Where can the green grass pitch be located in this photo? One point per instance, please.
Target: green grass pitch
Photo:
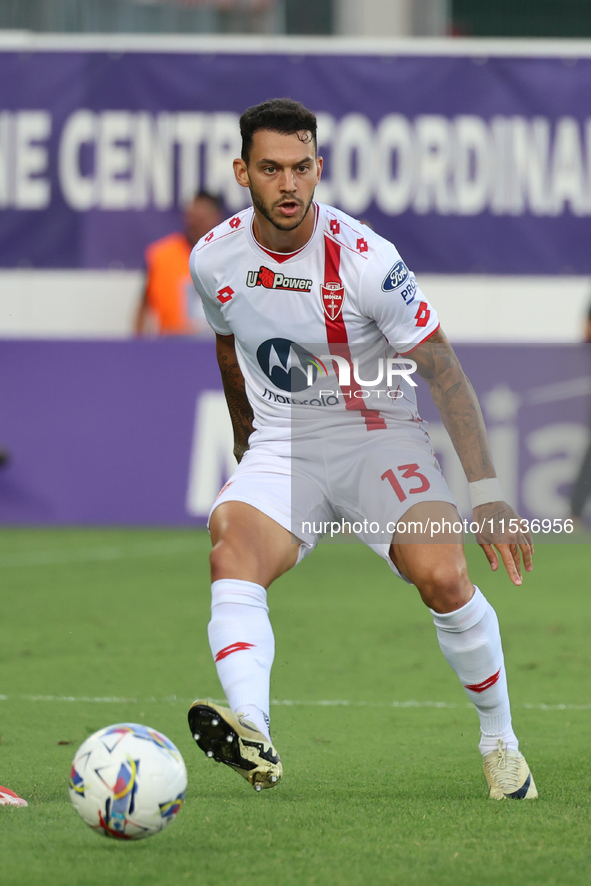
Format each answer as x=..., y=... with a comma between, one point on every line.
x=383, y=781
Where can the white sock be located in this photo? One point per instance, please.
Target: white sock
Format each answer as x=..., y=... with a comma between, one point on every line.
x=490, y=743
x=243, y=646
x=256, y=716
x=471, y=643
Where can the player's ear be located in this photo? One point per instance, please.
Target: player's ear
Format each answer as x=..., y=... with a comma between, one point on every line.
x=241, y=172
x=319, y=167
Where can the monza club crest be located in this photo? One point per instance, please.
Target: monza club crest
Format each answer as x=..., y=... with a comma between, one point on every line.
x=333, y=296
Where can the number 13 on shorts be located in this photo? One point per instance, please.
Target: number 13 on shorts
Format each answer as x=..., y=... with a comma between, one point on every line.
x=406, y=472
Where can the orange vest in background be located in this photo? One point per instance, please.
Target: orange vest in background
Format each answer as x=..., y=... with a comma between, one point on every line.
x=169, y=288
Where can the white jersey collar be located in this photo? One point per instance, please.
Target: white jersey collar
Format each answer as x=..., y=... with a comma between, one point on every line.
x=287, y=256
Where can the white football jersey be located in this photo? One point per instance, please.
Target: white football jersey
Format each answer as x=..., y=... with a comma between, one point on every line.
x=345, y=301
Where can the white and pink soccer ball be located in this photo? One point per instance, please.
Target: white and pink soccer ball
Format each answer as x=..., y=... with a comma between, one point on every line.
x=128, y=781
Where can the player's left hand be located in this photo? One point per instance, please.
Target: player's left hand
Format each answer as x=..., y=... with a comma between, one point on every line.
x=500, y=527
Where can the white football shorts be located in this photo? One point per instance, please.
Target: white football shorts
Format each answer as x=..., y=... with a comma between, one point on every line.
x=341, y=483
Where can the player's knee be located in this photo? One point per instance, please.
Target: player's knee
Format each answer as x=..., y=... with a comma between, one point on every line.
x=224, y=559
x=445, y=587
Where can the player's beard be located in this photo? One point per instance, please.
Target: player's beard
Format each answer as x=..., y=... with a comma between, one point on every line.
x=289, y=224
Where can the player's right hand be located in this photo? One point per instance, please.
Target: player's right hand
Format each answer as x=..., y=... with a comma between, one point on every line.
x=496, y=520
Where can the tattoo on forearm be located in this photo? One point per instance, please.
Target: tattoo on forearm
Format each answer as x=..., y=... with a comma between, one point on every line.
x=457, y=404
x=240, y=409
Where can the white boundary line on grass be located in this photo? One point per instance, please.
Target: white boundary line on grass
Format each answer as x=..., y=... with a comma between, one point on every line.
x=171, y=699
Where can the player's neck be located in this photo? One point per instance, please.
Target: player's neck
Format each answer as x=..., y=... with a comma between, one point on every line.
x=271, y=238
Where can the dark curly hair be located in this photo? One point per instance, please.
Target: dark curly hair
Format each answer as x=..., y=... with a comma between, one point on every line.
x=277, y=115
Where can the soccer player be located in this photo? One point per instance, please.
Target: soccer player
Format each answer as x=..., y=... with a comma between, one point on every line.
x=274, y=278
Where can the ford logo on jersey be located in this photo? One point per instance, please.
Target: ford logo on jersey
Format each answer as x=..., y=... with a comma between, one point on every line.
x=395, y=277
x=286, y=363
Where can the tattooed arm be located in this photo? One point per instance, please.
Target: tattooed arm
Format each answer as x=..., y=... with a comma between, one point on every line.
x=458, y=407
x=460, y=412
x=238, y=405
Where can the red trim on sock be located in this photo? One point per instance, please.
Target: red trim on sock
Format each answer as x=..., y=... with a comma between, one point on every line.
x=486, y=684
x=233, y=647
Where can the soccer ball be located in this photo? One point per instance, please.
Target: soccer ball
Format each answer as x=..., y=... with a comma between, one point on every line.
x=127, y=781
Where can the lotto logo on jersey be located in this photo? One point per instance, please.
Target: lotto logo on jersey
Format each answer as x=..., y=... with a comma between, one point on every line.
x=395, y=277
x=268, y=279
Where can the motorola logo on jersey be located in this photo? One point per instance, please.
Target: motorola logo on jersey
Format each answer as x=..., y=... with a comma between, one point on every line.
x=286, y=363
x=268, y=279
x=395, y=277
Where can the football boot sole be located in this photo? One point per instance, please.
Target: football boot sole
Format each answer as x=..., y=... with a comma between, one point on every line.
x=228, y=738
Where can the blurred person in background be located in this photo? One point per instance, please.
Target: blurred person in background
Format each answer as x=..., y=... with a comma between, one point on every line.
x=581, y=491
x=170, y=305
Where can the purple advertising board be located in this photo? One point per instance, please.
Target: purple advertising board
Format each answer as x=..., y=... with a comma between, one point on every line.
x=468, y=162
x=137, y=433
